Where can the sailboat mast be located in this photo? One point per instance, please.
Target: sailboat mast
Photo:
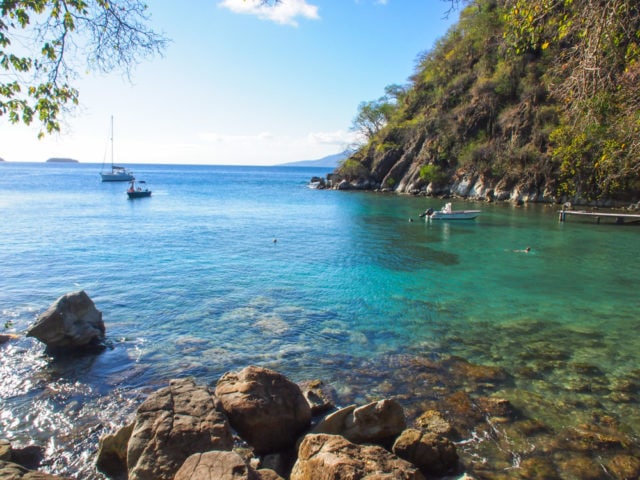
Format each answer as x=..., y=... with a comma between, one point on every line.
x=111, y=142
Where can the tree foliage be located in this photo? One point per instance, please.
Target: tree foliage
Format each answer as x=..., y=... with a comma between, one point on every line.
x=374, y=115
x=544, y=93
x=594, y=76
x=42, y=42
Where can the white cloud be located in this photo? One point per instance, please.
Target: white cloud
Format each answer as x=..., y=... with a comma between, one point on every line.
x=339, y=138
x=285, y=12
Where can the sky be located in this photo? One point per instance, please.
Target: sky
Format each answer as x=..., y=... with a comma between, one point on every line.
x=243, y=85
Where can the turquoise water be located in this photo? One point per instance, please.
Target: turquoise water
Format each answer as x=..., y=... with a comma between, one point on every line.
x=191, y=282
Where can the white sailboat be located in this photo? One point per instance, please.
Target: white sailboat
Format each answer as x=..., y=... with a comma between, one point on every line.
x=117, y=173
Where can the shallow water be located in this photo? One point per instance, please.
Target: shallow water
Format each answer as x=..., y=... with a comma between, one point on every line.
x=191, y=282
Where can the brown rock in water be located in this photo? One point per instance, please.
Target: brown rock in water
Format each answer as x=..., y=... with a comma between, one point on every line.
x=112, y=452
x=221, y=465
x=172, y=424
x=583, y=468
x=431, y=453
x=496, y=407
x=432, y=421
x=624, y=466
x=5, y=450
x=266, y=474
x=72, y=321
x=5, y=337
x=13, y=471
x=538, y=468
x=376, y=422
x=332, y=457
x=320, y=397
x=266, y=409
x=465, y=370
x=215, y=465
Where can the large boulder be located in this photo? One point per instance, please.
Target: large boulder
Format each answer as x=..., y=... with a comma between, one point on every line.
x=433, y=454
x=264, y=407
x=72, y=321
x=377, y=422
x=172, y=424
x=332, y=457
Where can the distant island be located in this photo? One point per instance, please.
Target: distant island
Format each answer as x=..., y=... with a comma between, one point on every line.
x=62, y=160
x=331, y=161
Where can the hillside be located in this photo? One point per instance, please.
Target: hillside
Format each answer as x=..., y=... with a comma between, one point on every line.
x=330, y=161
x=519, y=101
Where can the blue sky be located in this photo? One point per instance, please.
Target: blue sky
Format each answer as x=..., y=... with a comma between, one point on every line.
x=241, y=85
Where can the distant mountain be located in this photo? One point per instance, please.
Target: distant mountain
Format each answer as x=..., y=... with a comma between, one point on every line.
x=330, y=161
x=62, y=160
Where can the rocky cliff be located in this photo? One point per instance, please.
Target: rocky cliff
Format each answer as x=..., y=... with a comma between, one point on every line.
x=507, y=107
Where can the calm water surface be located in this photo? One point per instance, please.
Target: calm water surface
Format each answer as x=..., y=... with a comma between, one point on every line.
x=191, y=282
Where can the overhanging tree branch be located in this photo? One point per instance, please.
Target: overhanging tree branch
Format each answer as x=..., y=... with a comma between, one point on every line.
x=41, y=42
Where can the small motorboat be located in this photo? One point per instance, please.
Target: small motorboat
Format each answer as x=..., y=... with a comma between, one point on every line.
x=138, y=189
x=446, y=213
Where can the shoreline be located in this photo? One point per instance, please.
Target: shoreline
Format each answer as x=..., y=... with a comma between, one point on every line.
x=447, y=383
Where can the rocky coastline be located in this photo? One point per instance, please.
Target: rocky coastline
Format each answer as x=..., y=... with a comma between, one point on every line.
x=257, y=424
x=468, y=186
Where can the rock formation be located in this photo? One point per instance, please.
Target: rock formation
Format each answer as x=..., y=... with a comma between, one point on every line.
x=172, y=424
x=182, y=432
x=72, y=321
x=332, y=457
x=377, y=422
x=268, y=410
x=434, y=455
x=221, y=465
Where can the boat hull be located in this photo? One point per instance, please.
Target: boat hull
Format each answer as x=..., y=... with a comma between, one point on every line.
x=116, y=177
x=455, y=215
x=139, y=194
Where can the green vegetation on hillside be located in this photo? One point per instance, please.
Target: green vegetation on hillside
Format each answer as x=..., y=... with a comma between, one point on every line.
x=541, y=95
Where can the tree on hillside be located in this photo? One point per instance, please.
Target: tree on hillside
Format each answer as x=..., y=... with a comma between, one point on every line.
x=374, y=115
x=42, y=42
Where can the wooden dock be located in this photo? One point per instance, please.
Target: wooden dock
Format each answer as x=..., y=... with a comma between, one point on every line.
x=619, y=217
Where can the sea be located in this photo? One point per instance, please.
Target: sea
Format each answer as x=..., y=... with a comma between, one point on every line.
x=229, y=266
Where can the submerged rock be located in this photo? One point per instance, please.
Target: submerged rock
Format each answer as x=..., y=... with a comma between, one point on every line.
x=434, y=455
x=267, y=409
x=72, y=321
x=432, y=421
x=625, y=466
